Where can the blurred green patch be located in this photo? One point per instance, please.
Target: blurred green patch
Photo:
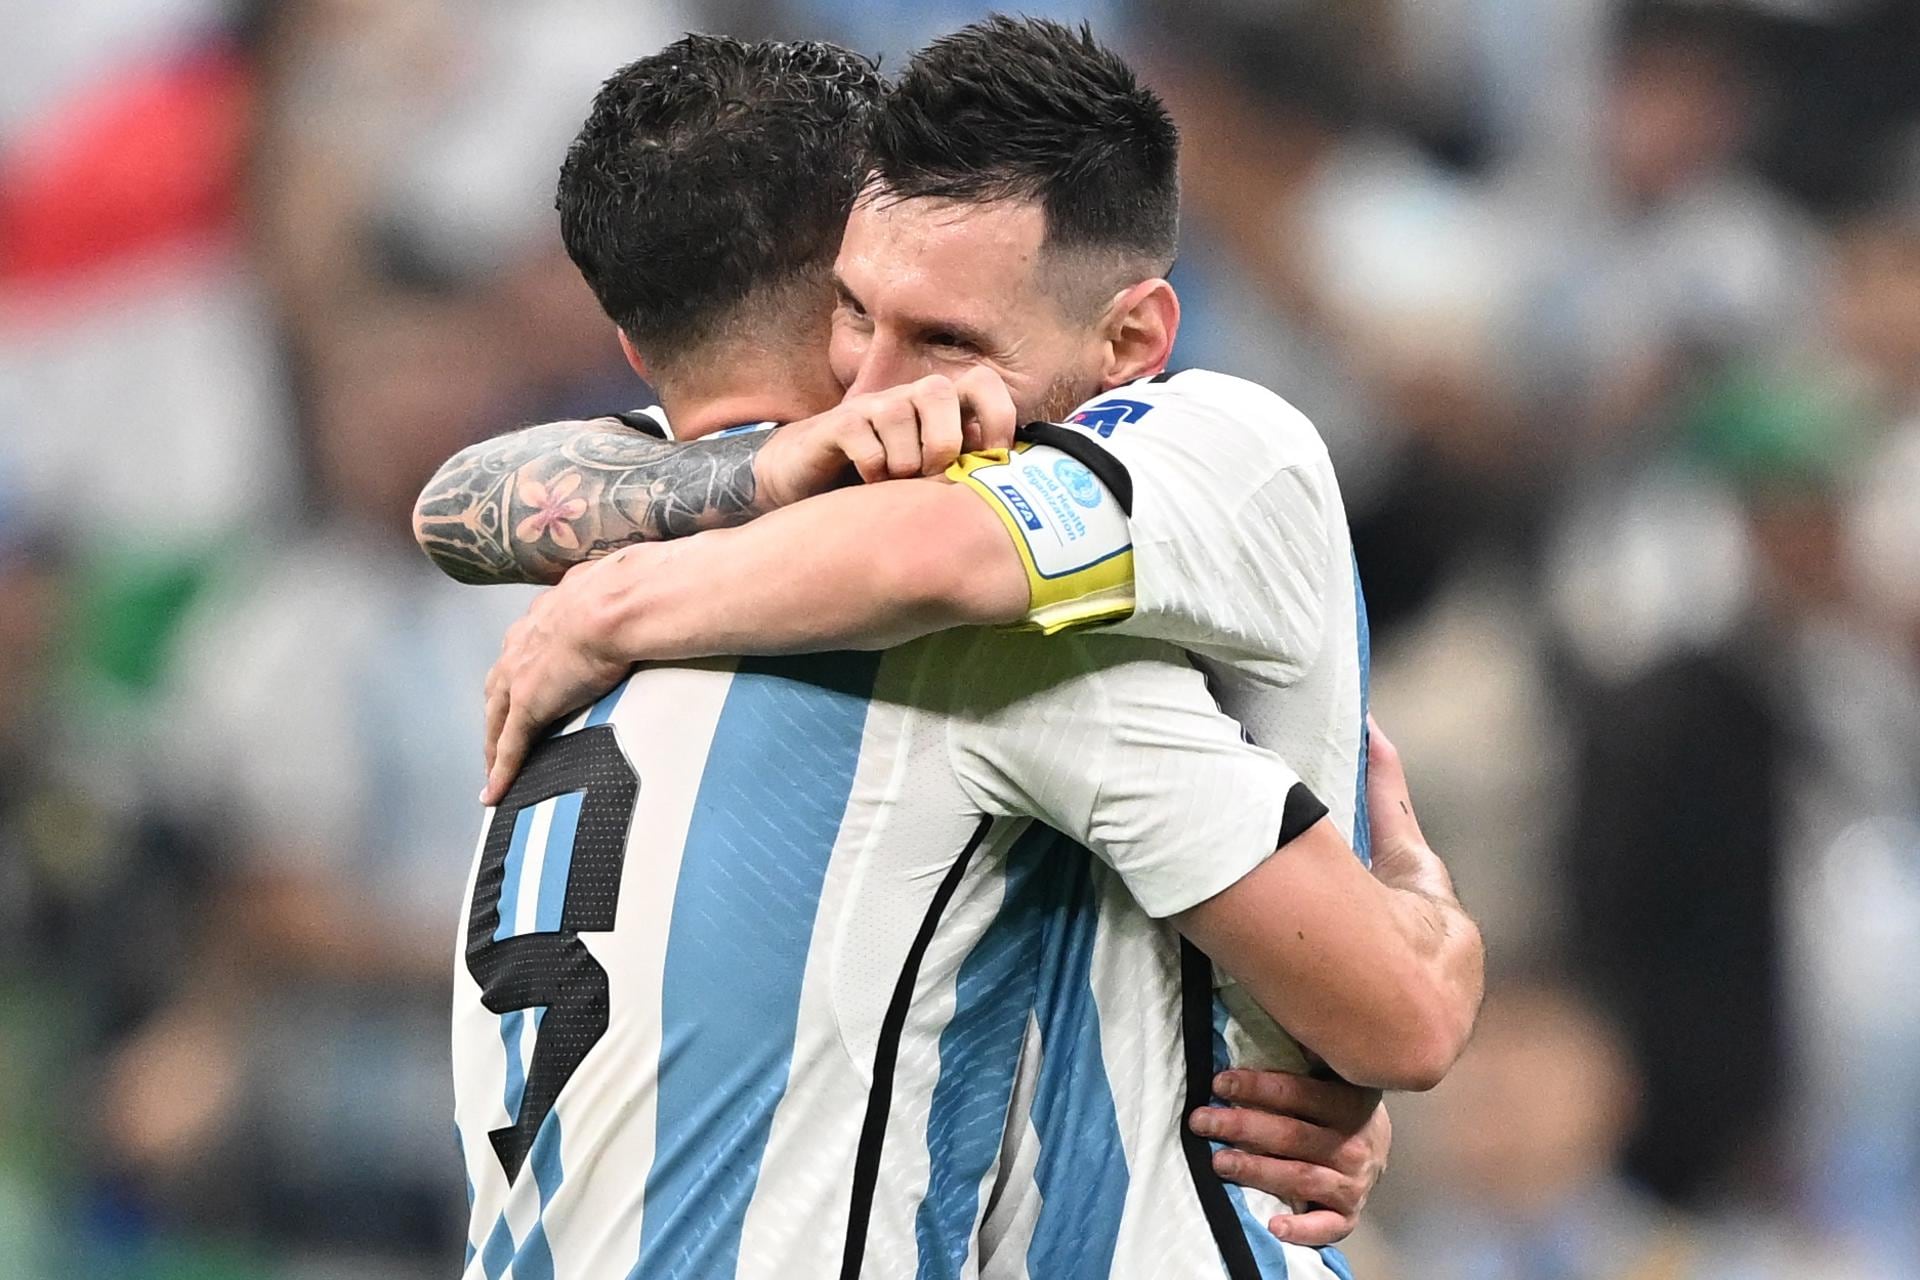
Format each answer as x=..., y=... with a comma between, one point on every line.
x=1772, y=428
x=128, y=614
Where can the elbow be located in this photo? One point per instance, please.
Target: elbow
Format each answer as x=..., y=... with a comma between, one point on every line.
x=1439, y=1004
x=1411, y=1054
x=1414, y=1048
x=442, y=526
x=454, y=527
x=1425, y=1053
x=424, y=519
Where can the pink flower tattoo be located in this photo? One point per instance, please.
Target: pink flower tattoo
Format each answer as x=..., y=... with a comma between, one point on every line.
x=553, y=511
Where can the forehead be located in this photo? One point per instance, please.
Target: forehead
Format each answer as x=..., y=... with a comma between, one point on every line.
x=959, y=250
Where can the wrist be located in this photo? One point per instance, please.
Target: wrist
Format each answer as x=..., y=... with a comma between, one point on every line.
x=779, y=475
x=623, y=623
x=1413, y=867
x=767, y=493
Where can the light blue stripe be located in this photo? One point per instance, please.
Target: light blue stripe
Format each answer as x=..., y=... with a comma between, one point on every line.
x=1082, y=1170
x=497, y=1253
x=471, y=1250
x=511, y=873
x=1267, y=1253
x=533, y=1260
x=979, y=1052
x=1362, y=822
x=558, y=862
x=769, y=808
x=603, y=709
x=1337, y=1262
x=512, y=1027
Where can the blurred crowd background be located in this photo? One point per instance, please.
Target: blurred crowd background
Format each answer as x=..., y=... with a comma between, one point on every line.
x=1609, y=311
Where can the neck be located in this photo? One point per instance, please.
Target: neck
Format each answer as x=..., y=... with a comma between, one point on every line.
x=694, y=416
x=755, y=388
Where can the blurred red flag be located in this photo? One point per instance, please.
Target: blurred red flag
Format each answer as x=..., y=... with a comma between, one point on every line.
x=132, y=164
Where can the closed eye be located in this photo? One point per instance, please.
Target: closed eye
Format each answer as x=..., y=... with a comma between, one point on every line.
x=847, y=302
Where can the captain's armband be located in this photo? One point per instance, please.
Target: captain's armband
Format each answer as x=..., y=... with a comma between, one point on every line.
x=1068, y=520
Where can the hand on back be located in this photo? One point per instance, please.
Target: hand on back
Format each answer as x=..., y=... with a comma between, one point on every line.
x=1319, y=1145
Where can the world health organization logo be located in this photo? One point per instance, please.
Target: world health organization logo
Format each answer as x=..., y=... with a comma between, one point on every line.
x=1078, y=482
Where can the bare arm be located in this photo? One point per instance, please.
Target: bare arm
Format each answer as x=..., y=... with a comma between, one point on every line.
x=1381, y=974
x=527, y=506
x=814, y=576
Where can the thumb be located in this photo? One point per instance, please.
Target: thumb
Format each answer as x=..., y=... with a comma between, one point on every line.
x=1389, y=801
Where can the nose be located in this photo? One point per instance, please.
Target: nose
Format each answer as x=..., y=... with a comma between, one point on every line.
x=883, y=364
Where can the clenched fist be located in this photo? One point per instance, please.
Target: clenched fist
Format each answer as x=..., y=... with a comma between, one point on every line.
x=913, y=430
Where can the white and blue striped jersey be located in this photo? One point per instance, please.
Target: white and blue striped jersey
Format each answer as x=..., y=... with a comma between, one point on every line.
x=1240, y=554
x=754, y=949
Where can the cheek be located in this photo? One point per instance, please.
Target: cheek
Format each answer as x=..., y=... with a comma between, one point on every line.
x=1065, y=377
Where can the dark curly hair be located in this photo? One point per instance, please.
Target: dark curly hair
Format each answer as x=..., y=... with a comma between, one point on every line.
x=714, y=169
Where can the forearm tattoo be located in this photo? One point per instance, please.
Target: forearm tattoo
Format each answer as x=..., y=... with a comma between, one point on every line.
x=528, y=506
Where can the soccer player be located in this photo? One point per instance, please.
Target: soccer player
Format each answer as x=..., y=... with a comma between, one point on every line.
x=529, y=831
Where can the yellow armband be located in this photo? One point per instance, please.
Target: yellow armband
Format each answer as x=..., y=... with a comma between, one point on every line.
x=1072, y=535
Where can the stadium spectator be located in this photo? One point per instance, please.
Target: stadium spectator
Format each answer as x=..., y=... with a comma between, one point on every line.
x=1517, y=1177
x=309, y=173
x=323, y=717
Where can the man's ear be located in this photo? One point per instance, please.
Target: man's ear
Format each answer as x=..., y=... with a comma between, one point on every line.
x=634, y=358
x=1139, y=330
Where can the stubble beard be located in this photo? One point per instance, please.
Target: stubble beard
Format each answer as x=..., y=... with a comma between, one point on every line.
x=1062, y=396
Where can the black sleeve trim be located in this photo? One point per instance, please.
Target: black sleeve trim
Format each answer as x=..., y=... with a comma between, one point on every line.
x=1303, y=809
x=1086, y=451
x=641, y=422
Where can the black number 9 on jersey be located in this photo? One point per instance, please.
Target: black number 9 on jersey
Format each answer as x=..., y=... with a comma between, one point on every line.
x=554, y=970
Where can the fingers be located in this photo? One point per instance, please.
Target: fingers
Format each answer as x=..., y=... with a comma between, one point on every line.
x=500, y=676
x=988, y=406
x=921, y=428
x=499, y=680
x=496, y=717
x=1333, y=1103
x=937, y=405
x=895, y=422
x=516, y=736
x=1311, y=1186
x=1265, y=1134
x=863, y=448
x=1316, y=1229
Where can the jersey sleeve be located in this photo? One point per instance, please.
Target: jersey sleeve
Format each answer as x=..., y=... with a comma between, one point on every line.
x=1232, y=500
x=1068, y=525
x=1117, y=744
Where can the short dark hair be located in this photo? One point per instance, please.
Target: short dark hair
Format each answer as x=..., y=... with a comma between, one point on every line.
x=1026, y=108
x=714, y=169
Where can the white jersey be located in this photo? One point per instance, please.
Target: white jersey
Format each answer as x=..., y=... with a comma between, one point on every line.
x=1235, y=547
x=753, y=948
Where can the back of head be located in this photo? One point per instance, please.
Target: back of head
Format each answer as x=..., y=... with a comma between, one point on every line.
x=712, y=171
x=1028, y=109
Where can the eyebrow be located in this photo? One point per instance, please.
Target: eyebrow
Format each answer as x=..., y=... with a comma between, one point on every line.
x=967, y=333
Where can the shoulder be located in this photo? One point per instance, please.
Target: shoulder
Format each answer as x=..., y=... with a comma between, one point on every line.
x=1212, y=410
